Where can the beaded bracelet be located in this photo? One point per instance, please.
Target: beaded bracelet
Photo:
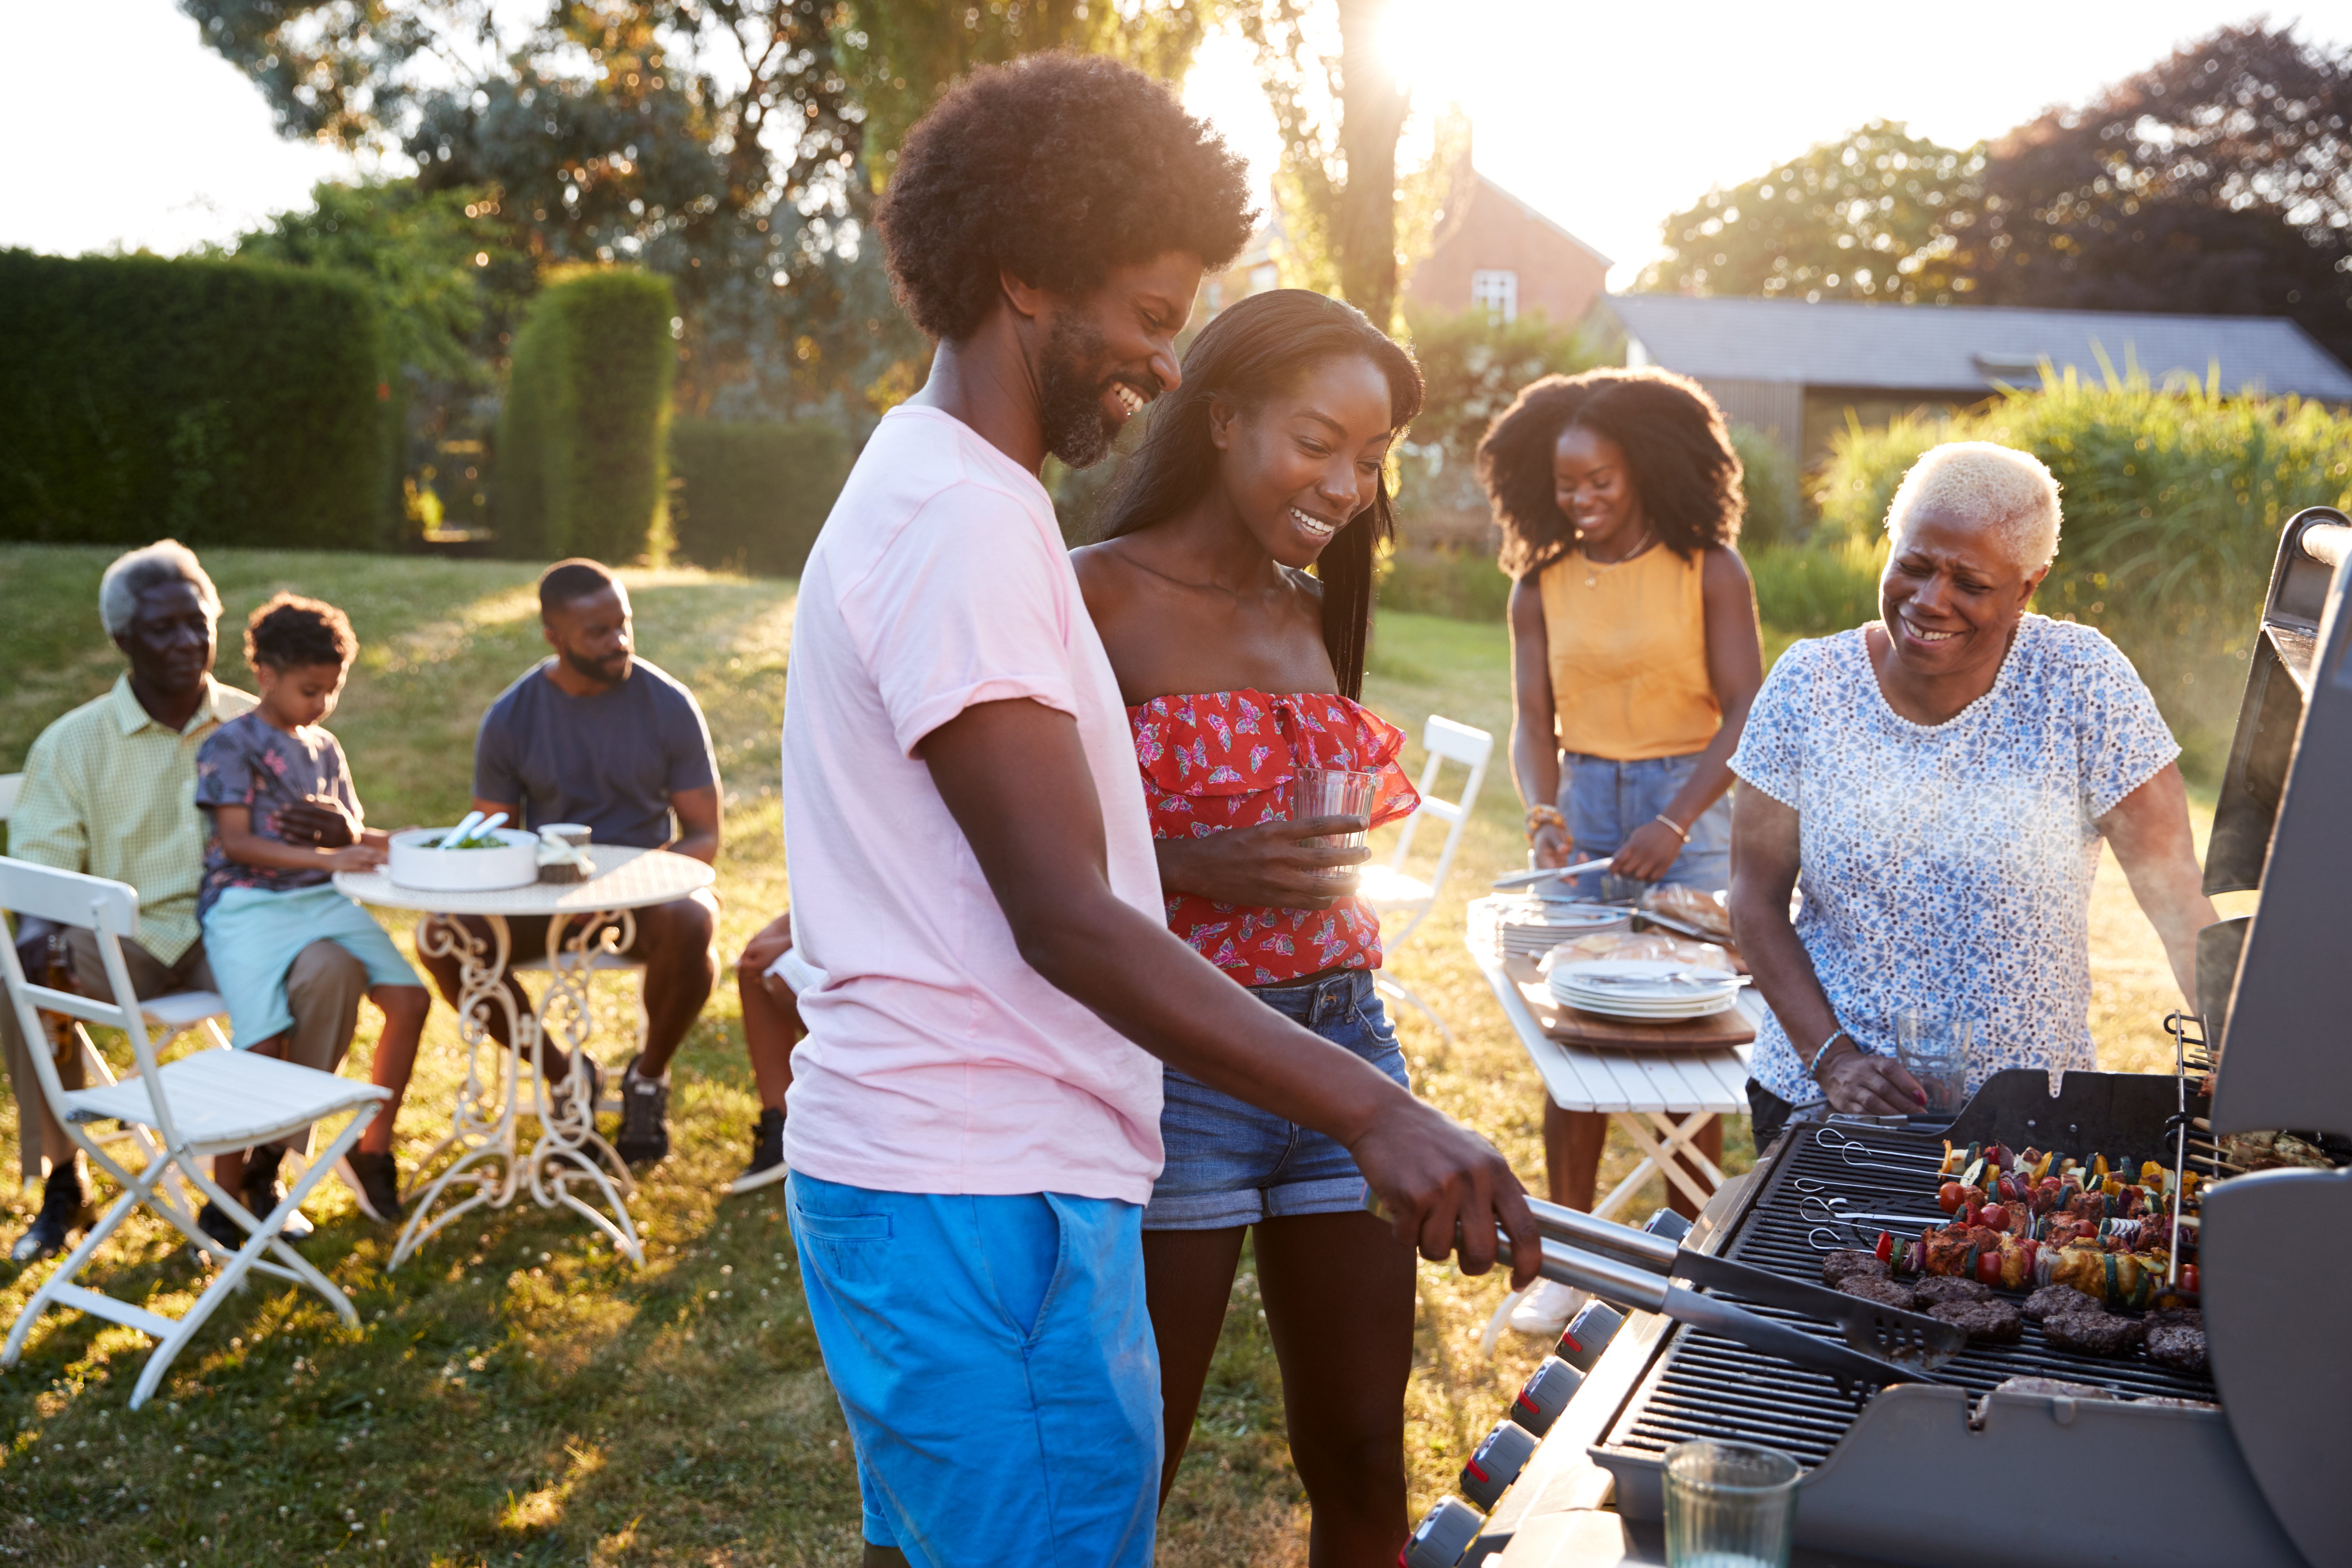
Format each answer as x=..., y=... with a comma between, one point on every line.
x=1544, y=816
x=1678, y=830
x=1813, y=1066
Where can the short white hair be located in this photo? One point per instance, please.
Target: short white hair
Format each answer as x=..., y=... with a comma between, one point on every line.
x=2007, y=492
x=153, y=565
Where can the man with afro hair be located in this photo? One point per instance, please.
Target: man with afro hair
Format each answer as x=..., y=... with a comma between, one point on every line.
x=974, y=1124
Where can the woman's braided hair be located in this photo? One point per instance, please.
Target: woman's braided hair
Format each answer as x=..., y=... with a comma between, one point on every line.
x=1671, y=432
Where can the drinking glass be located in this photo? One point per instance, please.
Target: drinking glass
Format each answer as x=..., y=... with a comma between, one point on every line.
x=1333, y=792
x=1935, y=1050
x=1729, y=1505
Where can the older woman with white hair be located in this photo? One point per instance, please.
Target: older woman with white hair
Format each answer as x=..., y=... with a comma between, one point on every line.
x=1937, y=785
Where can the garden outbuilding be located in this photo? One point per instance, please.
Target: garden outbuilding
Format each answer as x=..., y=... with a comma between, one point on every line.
x=1796, y=371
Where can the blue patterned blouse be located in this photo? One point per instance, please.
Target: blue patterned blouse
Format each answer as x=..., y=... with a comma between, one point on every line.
x=1948, y=867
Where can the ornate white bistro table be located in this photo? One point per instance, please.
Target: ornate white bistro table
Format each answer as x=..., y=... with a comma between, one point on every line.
x=586, y=921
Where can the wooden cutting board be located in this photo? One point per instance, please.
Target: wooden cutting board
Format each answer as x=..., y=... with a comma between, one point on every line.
x=1574, y=1027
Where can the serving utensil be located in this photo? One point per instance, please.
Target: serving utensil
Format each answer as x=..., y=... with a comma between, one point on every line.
x=1526, y=879
x=1911, y=1340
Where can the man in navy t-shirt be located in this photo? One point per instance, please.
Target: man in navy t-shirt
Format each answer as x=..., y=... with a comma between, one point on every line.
x=598, y=737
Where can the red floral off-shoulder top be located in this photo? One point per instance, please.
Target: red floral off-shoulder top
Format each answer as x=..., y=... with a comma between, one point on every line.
x=1220, y=760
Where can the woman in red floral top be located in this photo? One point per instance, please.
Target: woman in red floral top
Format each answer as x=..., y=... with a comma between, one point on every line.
x=1239, y=670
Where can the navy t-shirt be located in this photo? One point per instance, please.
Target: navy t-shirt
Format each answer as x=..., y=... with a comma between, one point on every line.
x=610, y=762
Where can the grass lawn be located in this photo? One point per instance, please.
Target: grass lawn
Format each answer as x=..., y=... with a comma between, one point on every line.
x=518, y=1394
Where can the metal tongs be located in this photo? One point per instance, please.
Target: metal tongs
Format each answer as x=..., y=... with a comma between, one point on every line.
x=1883, y=1345
x=1895, y=1343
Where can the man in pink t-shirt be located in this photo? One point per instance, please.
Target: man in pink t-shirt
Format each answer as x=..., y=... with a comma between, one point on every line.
x=974, y=1122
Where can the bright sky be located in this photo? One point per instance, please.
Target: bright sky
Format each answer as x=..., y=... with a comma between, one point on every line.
x=124, y=130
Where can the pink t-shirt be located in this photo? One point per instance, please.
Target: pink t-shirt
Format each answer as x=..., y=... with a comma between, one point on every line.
x=937, y=1060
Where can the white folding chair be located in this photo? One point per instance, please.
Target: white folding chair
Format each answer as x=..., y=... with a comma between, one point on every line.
x=11, y=786
x=1387, y=888
x=206, y=1103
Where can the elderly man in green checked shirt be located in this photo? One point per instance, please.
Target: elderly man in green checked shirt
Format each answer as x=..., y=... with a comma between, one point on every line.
x=111, y=790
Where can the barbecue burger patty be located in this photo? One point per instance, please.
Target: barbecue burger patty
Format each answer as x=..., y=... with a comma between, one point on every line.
x=1845, y=1264
x=2094, y=1332
x=1993, y=1321
x=2177, y=1346
x=1934, y=1289
x=2058, y=1301
x=1885, y=1292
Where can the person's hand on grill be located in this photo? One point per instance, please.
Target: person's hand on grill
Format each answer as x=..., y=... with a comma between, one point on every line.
x=1444, y=1188
x=1265, y=865
x=1860, y=1084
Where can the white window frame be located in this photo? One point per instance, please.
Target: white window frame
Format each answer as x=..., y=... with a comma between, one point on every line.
x=1497, y=289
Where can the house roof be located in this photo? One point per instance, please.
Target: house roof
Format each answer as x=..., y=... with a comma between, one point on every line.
x=1536, y=214
x=1954, y=347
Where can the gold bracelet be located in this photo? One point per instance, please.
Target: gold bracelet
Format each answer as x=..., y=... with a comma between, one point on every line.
x=1544, y=816
x=1679, y=830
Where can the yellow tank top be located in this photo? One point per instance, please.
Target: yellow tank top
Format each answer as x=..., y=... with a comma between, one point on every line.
x=1627, y=647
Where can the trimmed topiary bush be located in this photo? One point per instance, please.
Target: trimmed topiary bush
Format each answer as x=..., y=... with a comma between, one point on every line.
x=751, y=497
x=219, y=402
x=581, y=467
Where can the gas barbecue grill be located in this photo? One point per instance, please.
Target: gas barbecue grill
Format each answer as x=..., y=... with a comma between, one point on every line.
x=2251, y=1467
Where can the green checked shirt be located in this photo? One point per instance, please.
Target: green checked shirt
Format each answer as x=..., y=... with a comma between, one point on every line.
x=111, y=791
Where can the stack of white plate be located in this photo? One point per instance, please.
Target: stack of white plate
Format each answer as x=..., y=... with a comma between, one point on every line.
x=1655, y=989
x=1535, y=926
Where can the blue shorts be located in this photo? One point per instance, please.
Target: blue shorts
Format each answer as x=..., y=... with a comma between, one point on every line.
x=252, y=936
x=1230, y=1163
x=1605, y=801
x=995, y=1360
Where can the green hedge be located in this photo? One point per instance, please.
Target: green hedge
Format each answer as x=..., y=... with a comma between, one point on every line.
x=751, y=497
x=219, y=402
x=581, y=442
x=2173, y=502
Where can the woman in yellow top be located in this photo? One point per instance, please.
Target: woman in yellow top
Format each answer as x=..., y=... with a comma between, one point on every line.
x=1633, y=656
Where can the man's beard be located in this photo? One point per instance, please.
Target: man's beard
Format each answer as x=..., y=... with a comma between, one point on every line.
x=608, y=672
x=1070, y=387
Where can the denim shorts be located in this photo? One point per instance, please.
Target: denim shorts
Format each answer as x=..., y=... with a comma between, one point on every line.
x=1604, y=800
x=1230, y=1163
x=994, y=1361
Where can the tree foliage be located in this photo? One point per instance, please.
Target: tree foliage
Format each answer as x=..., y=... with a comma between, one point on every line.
x=2218, y=180
x=1340, y=111
x=1871, y=216
x=902, y=54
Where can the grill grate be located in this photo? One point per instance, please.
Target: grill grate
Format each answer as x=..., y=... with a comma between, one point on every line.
x=1707, y=1387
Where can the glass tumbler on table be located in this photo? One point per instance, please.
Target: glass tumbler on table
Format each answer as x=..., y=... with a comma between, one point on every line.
x=1333, y=792
x=1935, y=1050
x=1729, y=1505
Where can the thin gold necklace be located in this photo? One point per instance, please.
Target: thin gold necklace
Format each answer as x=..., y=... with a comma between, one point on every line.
x=1593, y=571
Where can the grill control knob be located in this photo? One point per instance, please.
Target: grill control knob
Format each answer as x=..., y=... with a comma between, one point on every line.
x=1443, y=1536
x=1496, y=1463
x=1545, y=1394
x=1589, y=1333
x=1669, y=1225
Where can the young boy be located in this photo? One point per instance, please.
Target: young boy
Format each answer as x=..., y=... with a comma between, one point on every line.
x=265, y=899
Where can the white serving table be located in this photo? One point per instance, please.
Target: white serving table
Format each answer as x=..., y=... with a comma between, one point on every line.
x=587, y=921
x=1662, y=1100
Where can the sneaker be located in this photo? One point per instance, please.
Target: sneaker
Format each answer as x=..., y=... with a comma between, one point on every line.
x=60, y=1212
x=262, y=1194
x=214, y=1222
x=374, y=1182
x=767, y=1166
x=1545, y=1311
x=644, y=1118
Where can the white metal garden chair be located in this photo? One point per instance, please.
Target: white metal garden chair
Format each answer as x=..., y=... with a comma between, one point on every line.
x=208, y=1102
x=1387, y=888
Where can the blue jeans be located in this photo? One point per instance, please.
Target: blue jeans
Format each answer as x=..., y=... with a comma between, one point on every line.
x=1230, y=1163
x=995, y=1360
x=1604, y=800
